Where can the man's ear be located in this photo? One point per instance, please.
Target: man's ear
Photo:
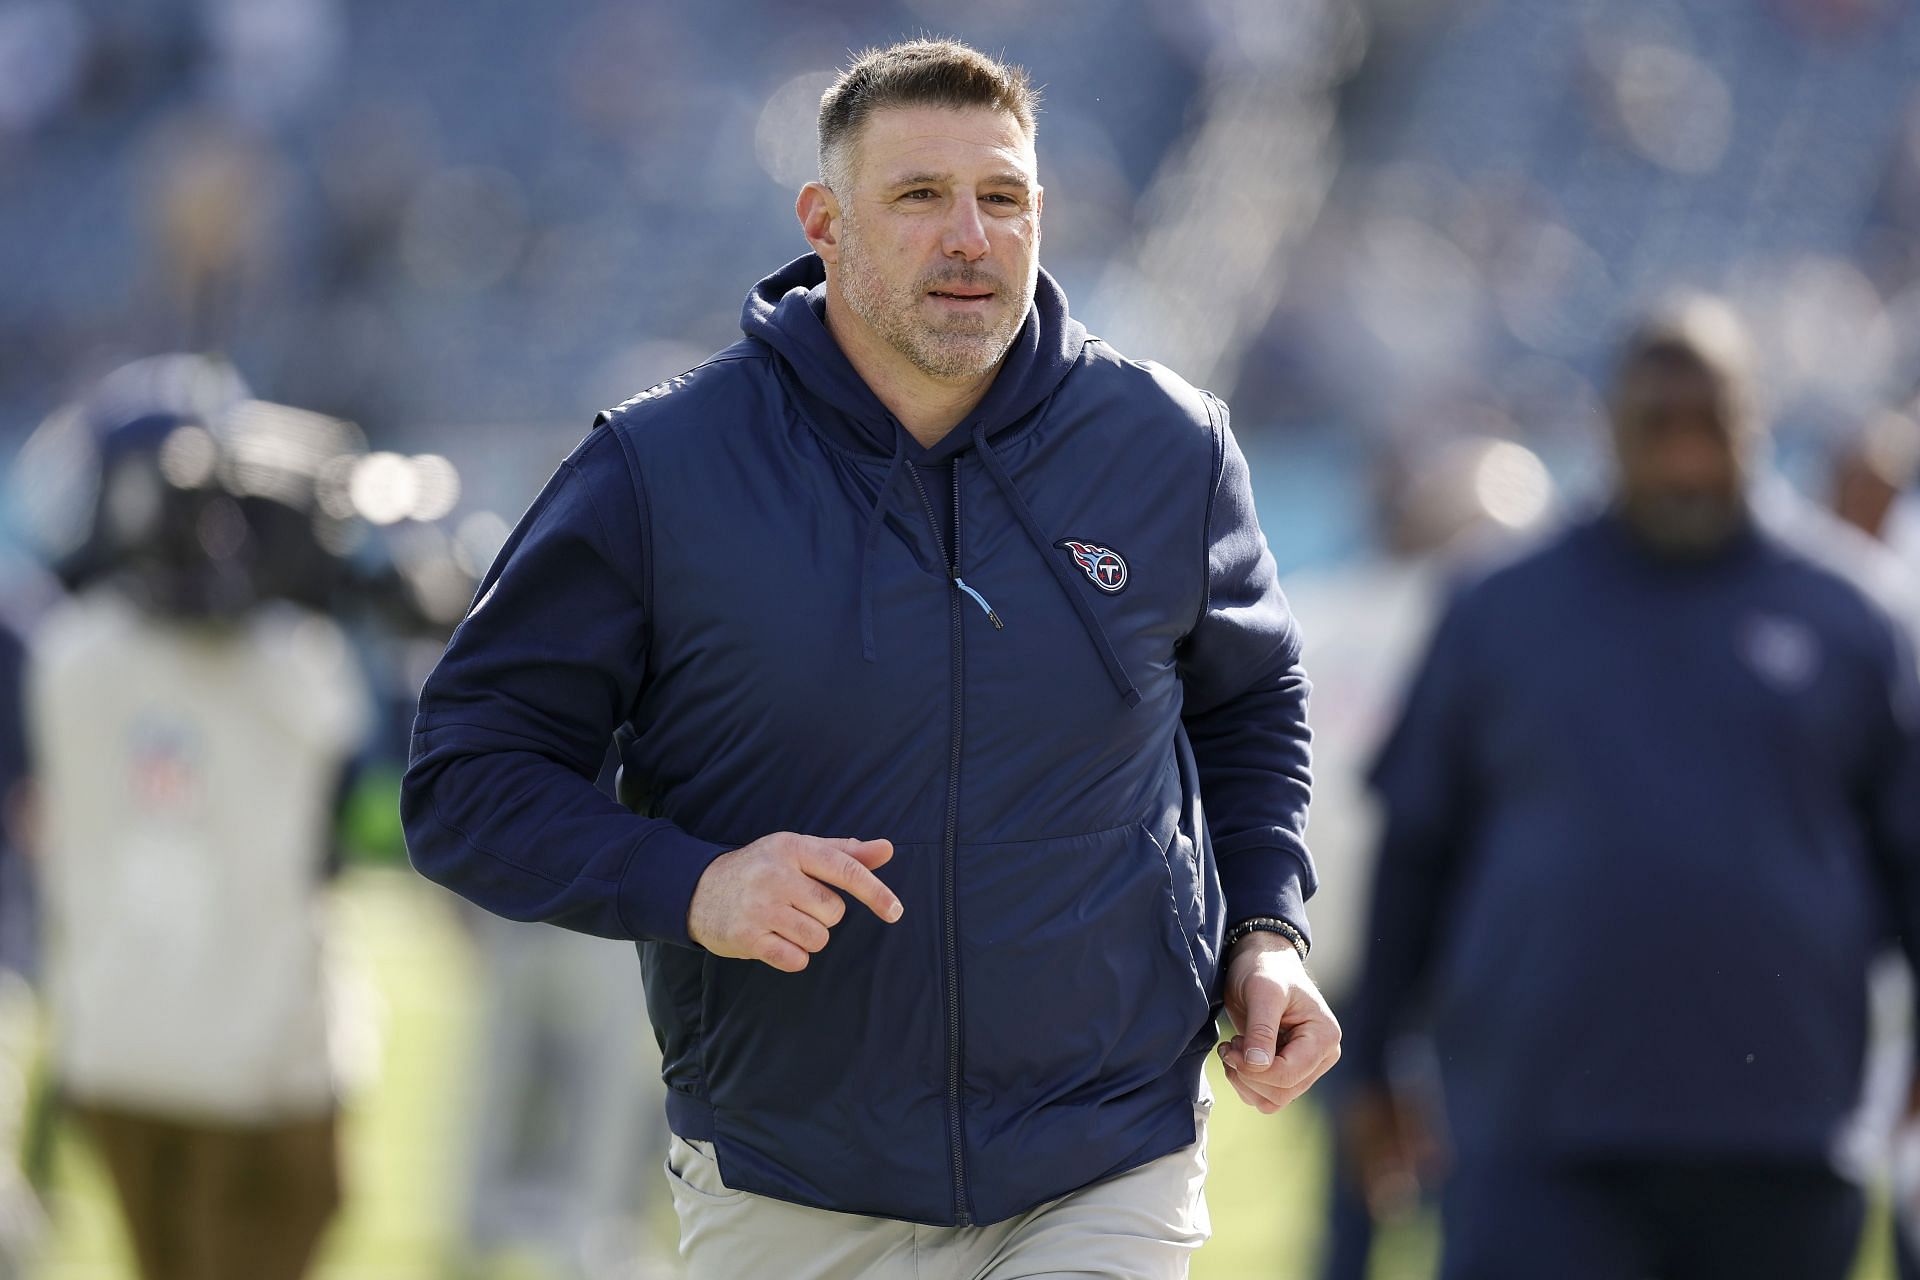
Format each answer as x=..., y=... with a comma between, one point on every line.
x=819, y=212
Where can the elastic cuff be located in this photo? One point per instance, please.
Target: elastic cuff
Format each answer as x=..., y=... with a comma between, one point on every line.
x=657, y=887
x=1277, y=893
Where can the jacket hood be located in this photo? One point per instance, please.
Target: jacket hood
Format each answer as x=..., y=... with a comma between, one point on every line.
x=787, y=311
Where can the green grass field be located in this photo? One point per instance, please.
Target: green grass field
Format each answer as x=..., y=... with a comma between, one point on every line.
x=402, y=1138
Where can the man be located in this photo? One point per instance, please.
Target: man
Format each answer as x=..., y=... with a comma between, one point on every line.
x=189, y=732
x=1652, y=805
x=921, y=595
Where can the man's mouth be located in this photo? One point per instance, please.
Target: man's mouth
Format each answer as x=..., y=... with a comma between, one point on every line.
x=962, y=294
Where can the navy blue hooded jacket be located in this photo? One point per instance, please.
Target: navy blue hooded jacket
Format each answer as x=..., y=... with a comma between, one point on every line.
x=752, y=574
x=1647, y=822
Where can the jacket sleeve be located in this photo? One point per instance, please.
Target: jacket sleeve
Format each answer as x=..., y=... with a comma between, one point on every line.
x=1891, y=792
x=1246, y=706
x=1424, y=779
x=498, y=800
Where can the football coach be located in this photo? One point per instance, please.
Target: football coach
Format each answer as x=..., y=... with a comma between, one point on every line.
x=1652, y=808
x=963, y=737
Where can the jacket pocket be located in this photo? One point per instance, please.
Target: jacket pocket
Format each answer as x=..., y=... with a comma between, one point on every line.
x=1084, y=975
x=829, y=1085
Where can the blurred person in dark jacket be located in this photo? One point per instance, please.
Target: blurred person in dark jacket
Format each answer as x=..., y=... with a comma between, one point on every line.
x=1652, y=808
x=190, y=728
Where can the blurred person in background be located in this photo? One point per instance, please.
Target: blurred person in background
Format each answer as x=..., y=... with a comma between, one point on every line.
x=1870, y=487
x=1436, y=508
x=1871, y=484
x=567, y=1129
x=192, y=715
x=1651, y=809
x=22, y=1220
x=921, y=568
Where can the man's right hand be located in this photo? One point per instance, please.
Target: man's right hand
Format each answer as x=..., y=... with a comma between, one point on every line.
x=774, y=900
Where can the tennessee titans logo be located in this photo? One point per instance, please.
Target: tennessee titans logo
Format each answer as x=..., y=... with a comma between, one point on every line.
x=1102, y=564
x=1785, y=652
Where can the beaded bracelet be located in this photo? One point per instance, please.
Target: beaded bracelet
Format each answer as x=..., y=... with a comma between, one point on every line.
x=1267, y=924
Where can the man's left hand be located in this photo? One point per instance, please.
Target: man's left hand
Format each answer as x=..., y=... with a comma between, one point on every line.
x=1287, y=1036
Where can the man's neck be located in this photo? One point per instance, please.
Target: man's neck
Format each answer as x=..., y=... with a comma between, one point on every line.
x=928, y=407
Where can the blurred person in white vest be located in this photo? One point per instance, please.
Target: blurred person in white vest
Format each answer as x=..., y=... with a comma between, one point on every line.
x=192, y=717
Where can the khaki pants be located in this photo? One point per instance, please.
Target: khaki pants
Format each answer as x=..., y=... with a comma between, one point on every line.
x=204, y=1202
x=1142, y=1225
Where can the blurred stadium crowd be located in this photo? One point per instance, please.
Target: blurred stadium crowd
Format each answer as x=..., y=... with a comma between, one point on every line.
x=461, y=226
x=424, y=242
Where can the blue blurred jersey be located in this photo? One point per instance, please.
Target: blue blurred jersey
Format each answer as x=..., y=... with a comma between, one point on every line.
x=1647, y=823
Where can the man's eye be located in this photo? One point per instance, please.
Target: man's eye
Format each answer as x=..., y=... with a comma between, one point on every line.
x=920, y=193
x=1002, y=198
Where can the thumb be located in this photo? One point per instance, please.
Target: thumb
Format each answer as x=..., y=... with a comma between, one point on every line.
x=870, y=854
x=1260, y=1036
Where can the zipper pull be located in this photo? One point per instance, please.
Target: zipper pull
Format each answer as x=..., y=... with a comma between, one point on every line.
x=981, y=600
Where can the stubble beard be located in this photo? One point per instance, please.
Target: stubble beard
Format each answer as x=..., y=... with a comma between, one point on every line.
x=960, y=346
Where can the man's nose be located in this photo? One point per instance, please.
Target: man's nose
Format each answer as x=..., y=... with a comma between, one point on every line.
x=966, y=232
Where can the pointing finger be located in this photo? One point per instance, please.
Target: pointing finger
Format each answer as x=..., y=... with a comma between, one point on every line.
x=843, y=870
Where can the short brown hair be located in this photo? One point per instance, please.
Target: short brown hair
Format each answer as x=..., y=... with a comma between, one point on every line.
x=927, y=73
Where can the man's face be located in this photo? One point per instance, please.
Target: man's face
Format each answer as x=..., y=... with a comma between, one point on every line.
x=940, y=234
x=1683, y=455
